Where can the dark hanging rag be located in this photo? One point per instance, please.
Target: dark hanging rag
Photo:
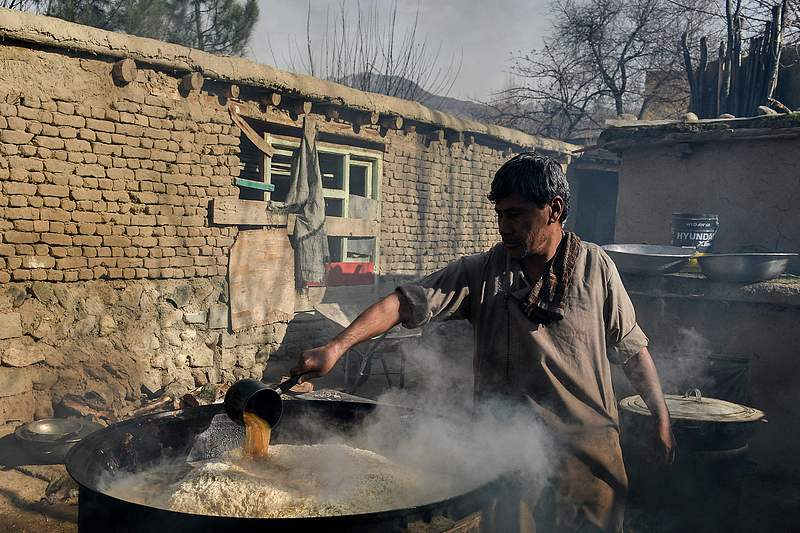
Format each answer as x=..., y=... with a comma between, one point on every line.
x=546, y=301
x=305, y=198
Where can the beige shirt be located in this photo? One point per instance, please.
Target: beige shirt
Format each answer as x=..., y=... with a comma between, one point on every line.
x=562, y=369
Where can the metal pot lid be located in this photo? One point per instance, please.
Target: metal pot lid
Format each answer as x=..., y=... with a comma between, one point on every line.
x=57, y=430
x=692, y=406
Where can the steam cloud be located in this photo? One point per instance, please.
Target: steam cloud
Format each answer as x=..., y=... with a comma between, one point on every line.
x=468, y=444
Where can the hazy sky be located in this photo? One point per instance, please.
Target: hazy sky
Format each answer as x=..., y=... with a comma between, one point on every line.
x=486, y=32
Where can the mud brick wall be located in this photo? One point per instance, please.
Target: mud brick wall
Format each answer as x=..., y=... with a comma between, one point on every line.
x=113, y=281
x=433, y=203
x=115, y=189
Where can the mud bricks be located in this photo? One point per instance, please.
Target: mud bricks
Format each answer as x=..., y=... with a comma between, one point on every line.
x=433, y=203
x=113, y=191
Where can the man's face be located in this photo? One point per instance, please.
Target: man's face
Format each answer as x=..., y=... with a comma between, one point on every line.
x=524, y=226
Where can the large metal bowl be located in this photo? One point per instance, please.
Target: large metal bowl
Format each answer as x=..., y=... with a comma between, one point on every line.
x=648, y=259
x=48, y=440
x=745, y=266
x=206, y=432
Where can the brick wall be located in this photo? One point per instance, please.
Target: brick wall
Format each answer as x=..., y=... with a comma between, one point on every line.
x=112, y=277
x=434, y=203
x=114, y=189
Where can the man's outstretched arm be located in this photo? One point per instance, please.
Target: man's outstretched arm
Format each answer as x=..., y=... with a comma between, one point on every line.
x=377, y=319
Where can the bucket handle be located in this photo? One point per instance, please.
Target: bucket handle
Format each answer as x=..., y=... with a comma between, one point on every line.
x=693, y=394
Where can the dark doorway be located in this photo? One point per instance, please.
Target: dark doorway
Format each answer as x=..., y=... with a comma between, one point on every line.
x=596, y=204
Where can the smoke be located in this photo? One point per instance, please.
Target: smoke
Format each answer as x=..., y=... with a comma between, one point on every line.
x=467, y=444
x=685, y=363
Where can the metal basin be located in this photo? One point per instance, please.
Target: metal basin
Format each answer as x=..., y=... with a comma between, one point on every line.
x=648, y=259
x=745, y=266
x=49, y=439
x=206, y=432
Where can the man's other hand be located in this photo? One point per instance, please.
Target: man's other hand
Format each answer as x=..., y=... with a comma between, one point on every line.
x=664, y=446
x=316, y=362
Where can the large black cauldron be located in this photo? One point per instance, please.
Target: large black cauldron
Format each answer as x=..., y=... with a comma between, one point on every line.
x=140, y=443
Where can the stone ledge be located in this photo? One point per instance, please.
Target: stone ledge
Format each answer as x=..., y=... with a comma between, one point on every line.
x=784, y=291
x=623, y=136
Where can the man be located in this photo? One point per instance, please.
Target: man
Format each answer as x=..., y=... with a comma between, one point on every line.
x=550, y=315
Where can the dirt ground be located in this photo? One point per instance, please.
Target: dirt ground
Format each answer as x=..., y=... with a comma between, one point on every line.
x=21, y=489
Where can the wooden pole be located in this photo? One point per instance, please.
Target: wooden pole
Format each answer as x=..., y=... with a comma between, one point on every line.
x=778, y=17
x=701, y=78
x=271, y=99
x=302, y=108
x=124, y=71
x=192, y=82
x=232, y=91
x=764, y=62
x=736, y=66
x=721, y=98
x=751, y=69
x=392, y=123
x=687, y=64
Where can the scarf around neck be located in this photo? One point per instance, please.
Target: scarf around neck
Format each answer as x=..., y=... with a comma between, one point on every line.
x=546, y=301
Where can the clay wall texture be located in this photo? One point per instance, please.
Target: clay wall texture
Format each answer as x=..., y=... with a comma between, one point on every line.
x=752, y=185
x=434, y=203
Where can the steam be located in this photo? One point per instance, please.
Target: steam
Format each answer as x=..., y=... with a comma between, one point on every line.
x=445, y=446
x=468, y=444
x=686, y=363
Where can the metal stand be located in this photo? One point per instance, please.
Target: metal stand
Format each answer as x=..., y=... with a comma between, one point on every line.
x=367, y=354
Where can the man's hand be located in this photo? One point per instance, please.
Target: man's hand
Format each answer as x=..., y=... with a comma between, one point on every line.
x=316, y=362
x=641, y=372
x=376, y=320
x=664, y=446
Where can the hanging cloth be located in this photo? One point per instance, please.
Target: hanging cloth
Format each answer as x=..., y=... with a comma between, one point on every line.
x=305, y=199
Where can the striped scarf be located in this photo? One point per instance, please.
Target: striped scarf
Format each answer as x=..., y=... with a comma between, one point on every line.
x=546, y=301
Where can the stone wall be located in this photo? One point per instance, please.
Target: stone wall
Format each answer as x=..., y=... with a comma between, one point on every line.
x=105, y=345
x=112, y=275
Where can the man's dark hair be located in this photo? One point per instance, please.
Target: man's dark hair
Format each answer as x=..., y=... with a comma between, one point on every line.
x=536, y=178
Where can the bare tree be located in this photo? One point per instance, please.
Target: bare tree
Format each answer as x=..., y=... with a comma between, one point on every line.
x=370, y=49
x=551, y=93
x=602, y=59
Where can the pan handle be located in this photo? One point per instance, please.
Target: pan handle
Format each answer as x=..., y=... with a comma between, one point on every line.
x=288, y=384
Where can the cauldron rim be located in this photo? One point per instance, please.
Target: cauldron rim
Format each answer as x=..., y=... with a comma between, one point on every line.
x=482, y=492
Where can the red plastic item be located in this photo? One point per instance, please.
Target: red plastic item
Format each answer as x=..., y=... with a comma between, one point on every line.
x=339, y=274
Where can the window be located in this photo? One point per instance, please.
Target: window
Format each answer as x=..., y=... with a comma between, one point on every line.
x=252, y=171
x=350, y=182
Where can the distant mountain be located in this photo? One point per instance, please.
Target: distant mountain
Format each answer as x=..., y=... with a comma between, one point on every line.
x=407, y=89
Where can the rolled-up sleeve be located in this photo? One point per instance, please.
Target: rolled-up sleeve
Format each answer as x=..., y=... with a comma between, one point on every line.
x=442, y=295
x=624, y=337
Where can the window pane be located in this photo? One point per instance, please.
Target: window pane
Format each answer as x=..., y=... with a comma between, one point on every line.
x=334, y=207
x=335, y=248
x=360, y=248
x=331, y=166
x=280, y=175
x=250, y=161
x=358, y=180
